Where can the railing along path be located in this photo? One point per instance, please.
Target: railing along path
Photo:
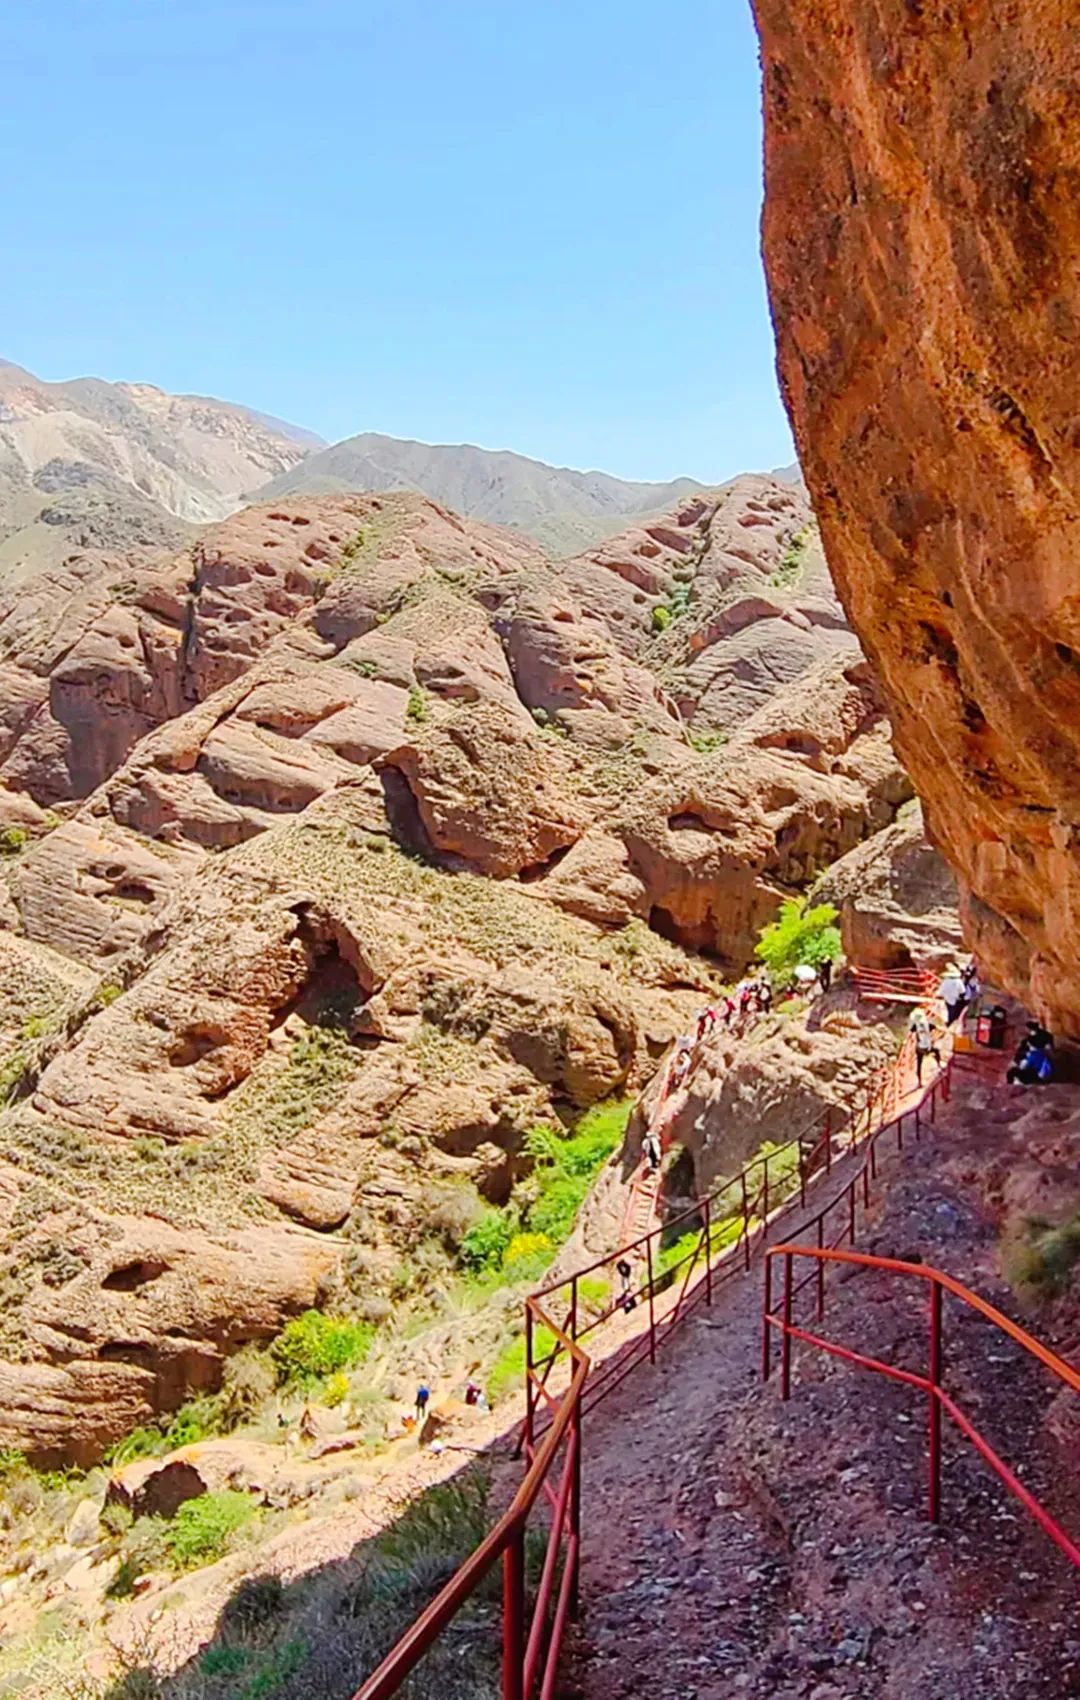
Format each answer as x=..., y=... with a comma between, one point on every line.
x=929, y=1381
x=662, y=1285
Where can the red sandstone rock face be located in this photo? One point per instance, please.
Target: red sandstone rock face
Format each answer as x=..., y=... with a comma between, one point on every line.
x=897, y=899
x=370, y=826
x=920, y=241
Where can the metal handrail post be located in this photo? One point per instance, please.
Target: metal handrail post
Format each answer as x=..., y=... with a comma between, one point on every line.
x=652, y=1304
x=513, y=1671
x=934, y=1413
x=785, y=1344
x=708, y=1254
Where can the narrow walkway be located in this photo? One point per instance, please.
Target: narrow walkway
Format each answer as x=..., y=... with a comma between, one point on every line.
x=762, y=1550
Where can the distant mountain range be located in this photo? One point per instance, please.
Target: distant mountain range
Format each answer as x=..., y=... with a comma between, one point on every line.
x=563, y=509
x=127, y=467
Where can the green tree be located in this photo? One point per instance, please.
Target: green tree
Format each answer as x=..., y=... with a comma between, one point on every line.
x=799, y=935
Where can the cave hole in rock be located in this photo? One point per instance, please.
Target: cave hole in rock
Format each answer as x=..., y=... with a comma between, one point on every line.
x=128, y=1352
x=679, y=1182
x=403, y=814
x=662, y=921
x=780, y=797
x=131, y=1276
x=196, y=1042
x=799, y=743
x=333, y=992
x=687, y=821
x=133, y=891
x=537, y=870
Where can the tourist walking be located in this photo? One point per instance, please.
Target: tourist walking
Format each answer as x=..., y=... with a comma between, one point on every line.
x=924, y=1040
x=650, y=1147
x=423, y=1400
x=952, y=993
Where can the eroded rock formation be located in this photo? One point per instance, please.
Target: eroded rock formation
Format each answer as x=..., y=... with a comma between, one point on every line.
x=341, y=850
x=920, y=239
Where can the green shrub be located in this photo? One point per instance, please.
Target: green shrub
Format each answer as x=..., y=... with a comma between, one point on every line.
x=594, y=1292
x=143, y=1548
x=484, y=1246
x=705, y=743
x=417, y=708
x=791, y=561
x=198, y=1420
x=567, y=1164
x=13, y=839
x=116, y=1518
x=798, y=935
x=554, y=1213
x=140, y=1443
x=204, y=1528
x=314, y=1345
x=225, y=1661
x=122, y=1584
x=1043, y=1261
x=661, y=618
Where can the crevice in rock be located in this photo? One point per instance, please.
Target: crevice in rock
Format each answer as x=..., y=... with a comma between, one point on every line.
x=129, y=1352
x=131, y=1276
x=403, y=814
x=537, y=870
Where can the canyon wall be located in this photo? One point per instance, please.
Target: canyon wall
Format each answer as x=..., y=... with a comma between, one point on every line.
x=920, y=237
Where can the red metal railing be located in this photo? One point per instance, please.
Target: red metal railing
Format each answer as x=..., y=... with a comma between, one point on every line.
x=762, y=1194
x=531, y=1641
x=928, y=1382
x=724, y=1230
x=895, y=985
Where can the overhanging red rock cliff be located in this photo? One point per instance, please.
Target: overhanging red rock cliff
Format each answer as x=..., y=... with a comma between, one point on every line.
x=921, y=228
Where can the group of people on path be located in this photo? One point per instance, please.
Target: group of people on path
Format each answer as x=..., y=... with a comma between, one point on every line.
x=734, y=1013
x=960, y=989
x=957, y=988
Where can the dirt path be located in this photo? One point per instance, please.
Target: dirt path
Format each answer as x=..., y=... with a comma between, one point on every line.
x=735, y=1546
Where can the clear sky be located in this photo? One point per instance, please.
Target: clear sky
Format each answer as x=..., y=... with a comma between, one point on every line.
x=528, y=224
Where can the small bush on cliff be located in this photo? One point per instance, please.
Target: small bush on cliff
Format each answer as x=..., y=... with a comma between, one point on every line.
x=484, y=1246
x=1043, y=1261
x=13, y=839
x=313, y=1346
x=520, y=1239
x=204, y=1528
x=798, y=935
x=789, y=571
x=417, y=709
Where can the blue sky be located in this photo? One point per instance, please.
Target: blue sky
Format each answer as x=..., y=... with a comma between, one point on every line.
x=529, y=224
